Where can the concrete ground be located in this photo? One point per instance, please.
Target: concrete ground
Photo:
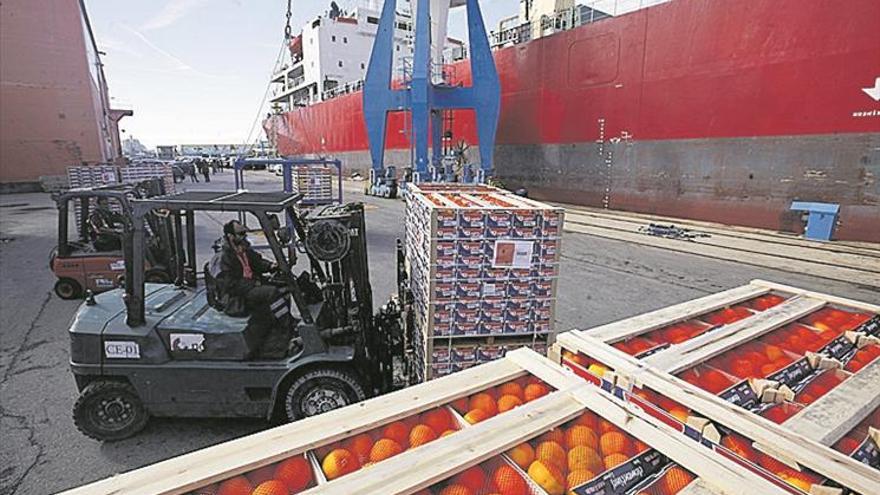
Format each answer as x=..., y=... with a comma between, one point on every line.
x=41, y=452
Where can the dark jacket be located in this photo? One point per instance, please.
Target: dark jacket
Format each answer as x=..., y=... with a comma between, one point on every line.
x=228, y=274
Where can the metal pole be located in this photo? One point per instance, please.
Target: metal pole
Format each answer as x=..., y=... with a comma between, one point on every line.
x=191, y=248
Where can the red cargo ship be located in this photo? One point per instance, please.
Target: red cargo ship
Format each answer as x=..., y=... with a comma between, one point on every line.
x=707, y=109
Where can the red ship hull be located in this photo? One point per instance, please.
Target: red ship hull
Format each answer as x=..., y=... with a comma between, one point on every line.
x=715, y=110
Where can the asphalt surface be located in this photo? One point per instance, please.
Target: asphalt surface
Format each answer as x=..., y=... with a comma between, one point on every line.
x=42, y=452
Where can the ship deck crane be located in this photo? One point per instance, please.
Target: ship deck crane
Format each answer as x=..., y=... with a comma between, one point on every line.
x=425, y=94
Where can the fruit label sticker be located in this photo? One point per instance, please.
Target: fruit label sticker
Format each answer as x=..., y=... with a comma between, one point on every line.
x=121, y=349
x=191, y=342
x=838, y=347
x=871, y=327
x=117, y=266
x=740, y=394
x=792, y=374
x=513, y=254
x=868, y=453
x=624, y=477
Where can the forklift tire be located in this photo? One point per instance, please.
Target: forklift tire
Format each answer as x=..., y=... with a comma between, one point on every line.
x=67, y=288
x=320, y=390
x=156, y=277
x=109, y=411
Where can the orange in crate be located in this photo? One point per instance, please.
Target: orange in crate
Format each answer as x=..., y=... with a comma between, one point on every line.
x=271, y=487
x=360, y=445
x=553, y=453
x=578, y=477
x=383, y=449
x=580, y=435
x=614, y=443
x=338, y=463
x=547, y=476
x=606, y=426
x=554, y=435
x=438, y=419
x=523, y=455
x=295, y=473
x=588, y=419
x=740, y=446
x=262, y=474
x=397, y=431
x=511, y=388
x=420, y=435
x=508, y=402
x=674, y=480
x=509, y=482
x=583, y=457
x=534, y=391
x=460, y=405
x=474, y=478
x=235, y=486
x=475, y=416
x=614, y=460
x=457, y=490
x=484, y=402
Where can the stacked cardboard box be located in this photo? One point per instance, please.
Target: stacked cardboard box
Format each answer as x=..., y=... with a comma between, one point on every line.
x=482, y=265
x=315, y=183
x=143, y=171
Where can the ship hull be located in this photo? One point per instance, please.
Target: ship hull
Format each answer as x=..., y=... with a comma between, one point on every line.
x=691, y=108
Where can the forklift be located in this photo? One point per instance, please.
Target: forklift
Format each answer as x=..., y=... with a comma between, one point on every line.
x=80, y=266
x=164, y=350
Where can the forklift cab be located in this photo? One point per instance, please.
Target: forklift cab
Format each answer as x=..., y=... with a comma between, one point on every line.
x=162, y=350
x=82, y=264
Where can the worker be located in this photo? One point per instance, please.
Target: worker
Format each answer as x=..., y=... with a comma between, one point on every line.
x=238, y=271
x=204, y=169
x=192, y=172
x=105, y=227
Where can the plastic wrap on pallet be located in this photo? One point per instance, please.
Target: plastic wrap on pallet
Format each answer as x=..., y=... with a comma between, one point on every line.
x=483, y=263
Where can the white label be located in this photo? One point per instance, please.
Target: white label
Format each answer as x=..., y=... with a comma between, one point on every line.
x=513, y=254
x=117, y=266
x=193, y=342
x=104, y=283
x=121, y=349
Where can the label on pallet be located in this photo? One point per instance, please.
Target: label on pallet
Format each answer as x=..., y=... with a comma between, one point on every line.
x=740, y=394
x=623, y=478
x=870, y=327
x=838, y=347
x=793, y=373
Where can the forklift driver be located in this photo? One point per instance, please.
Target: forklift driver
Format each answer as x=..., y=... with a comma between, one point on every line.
x=105, y=227
x=238, y=271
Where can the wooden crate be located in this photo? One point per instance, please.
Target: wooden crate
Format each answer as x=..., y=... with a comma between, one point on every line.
x=642, y=368
x=483, y=267
x=485, y=443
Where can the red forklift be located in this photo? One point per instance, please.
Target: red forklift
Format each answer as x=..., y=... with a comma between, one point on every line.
x=87, y=264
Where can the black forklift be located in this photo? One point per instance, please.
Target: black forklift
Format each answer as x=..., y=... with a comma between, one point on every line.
x=163, y=350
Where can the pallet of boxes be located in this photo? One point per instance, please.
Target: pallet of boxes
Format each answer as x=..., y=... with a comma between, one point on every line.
x=482, y=266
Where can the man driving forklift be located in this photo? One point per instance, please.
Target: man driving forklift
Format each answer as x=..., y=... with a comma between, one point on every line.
x=237, y=271
x=105, y=227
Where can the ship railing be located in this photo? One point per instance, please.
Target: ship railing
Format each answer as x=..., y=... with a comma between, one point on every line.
x=346, y=88
x=511, y=36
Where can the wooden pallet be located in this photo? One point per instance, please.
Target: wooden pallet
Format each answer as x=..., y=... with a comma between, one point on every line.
x=803, y=439
x=424, y=466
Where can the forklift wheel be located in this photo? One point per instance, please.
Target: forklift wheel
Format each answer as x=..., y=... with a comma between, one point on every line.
x=67, y=288
x=320, y=390
x=108, y=411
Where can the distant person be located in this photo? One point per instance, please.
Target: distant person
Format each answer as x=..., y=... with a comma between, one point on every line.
x=203, y=168
x=192, y=172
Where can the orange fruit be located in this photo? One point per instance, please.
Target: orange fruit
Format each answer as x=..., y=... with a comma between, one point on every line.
x=534, y=391
x=438, y=419
x=740, y=446
x=606, y=426
x=338, y=463
x=420, y=435
x=235, y=486
x=588, y=419
x=447, y=432
x=474, y=478
x=639, y=447
x=676, y=479
x=548, y=477
x=383, y=449
x=553, y=453
x=597, y=369
x=580, y=435
x=360, y=446
x=554, y=435
x=508, y=402
x=614, y=443
x=679, y=413
x=613, y=460
x=578, y=477
x=295, y=472
x=272, y=487
x=206, y=490
x=457, y=490
x=523, y=455
x=583, y=457
x=460, y=405
x=509, y=482
x=475, y=416
x=262, y=474
x=797, y=482
x=511, y=388
x=485, y=402
x=397, y=431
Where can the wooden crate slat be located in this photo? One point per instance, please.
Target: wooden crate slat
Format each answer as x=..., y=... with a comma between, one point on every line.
x=871, y=308
x=700, y=487
x=836, y=413
x=807, y=453
x=190, y=471
x=710, y=344
x=630, y=327
x=420, y=468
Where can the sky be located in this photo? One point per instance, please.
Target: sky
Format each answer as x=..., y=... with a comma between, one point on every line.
x=195, y=71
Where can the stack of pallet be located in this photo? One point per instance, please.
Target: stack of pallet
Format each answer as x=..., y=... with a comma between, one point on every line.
x=82, y=176
x=314, y=183
x=483, y=267
x=761, y=372
x=143, y=171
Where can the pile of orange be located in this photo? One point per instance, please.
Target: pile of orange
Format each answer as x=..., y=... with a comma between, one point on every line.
x=764, y=303
x=754, y=360
x=575, y=453
x=287, y=477
x=707, y=378
x=863, y=357
x=727, y=316
x=799, y=339
x=510, y=395
x=483, y=480
x=835, y=319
